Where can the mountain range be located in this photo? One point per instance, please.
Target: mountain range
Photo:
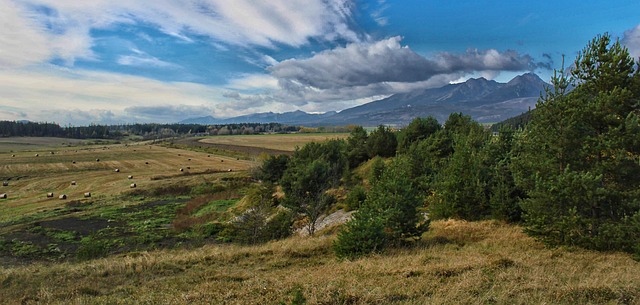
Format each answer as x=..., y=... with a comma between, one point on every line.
x=484, y=100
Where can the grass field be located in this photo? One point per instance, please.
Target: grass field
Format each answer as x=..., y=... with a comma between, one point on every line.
x=147, y=246
x=14, y=144
x=30, y=178
x=455, y=263
x=285, y=142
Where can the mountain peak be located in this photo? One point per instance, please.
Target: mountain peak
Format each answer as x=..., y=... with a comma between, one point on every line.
x=528, y=77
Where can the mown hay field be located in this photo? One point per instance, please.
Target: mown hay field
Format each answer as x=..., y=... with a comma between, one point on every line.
x=284, y=142
x=456, y=262
x=31, y=177
x=10, y=144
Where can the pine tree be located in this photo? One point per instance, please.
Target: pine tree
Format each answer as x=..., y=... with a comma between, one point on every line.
x=357, y=147
x=390, y=215
x=382, y=142
x=461, y=186
x=578, y=160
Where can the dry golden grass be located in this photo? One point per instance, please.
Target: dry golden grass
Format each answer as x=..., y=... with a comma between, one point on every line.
x=286, y=142
x=31, y=178
x=11, y=144
x=455, y=263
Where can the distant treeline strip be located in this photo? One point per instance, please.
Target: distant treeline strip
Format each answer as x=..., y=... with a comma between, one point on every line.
x=147, y=131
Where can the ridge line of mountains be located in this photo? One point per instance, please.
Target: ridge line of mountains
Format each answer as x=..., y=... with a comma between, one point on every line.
x=486, y=101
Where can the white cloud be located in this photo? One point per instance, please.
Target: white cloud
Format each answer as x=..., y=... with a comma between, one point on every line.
x=346, y=76
x=378, y=13
x=32, y=34
x=631, y=40
x=363, y=64
x=253, y=82
x=82, y=97
x=142, y=59
x=20, y=42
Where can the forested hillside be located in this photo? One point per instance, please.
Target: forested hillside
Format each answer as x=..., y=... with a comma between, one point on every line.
x=571, y=175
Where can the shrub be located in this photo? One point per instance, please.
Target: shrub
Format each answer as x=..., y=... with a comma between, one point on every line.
x=355, y=198
x=361, y=236
x=92, y=249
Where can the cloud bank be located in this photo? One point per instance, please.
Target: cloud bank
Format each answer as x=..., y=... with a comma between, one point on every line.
x=361, y=64
x=84, y=97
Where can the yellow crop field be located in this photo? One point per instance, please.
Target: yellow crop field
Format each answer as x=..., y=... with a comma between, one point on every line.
x=32, y=174
x=284, y=142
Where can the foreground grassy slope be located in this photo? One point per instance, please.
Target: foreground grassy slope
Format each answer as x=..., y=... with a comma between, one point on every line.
x=456, y=262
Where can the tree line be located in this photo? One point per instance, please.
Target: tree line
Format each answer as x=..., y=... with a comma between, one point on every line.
x=146, y=131
x=570, y=173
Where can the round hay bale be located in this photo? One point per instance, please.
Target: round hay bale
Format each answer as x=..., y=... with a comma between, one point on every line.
x=182, y=169
x=221, y=160
x=189, y=159
x=5, y=183
x=37, y=155
x=188, y=167
x=49, y=195
x=62, y=197
x=87, y=194
x=146, y=163
x=117, y=170
x=208, y=156
x=74, y=162
x=97, y=160
x=13, y=155
x=3, y=196
x=130, y=177
x=133, y=185
x=73, y=182
x=51, y=152
x=229, y=170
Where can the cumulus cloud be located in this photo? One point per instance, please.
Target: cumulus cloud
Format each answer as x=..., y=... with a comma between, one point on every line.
x=38, y=30
x=631, y=39
x=362, y=64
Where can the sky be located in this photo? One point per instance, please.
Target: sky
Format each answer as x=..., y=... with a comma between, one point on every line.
x=81, y=62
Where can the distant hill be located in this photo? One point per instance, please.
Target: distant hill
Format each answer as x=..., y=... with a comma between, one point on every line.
x=487, y=101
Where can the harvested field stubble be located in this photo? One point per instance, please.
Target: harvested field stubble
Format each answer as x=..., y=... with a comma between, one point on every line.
x=31, y=177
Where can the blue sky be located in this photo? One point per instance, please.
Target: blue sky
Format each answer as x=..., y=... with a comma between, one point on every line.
x=104, y=61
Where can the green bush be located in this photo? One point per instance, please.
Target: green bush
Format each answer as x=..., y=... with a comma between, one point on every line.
x=389, y=216
x=279, y=226
x=92, y=249
x=361, y=236
x=210, y=229
x=355, y=198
